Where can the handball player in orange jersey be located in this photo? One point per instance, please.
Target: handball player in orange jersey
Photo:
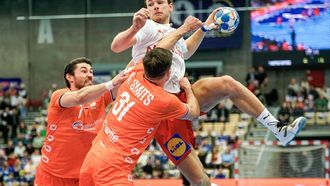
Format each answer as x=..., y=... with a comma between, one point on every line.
x=133, y=121
x=150, y=25
x=75, y=115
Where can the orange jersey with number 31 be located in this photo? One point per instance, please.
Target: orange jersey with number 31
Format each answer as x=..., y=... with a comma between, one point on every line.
x=132, y=122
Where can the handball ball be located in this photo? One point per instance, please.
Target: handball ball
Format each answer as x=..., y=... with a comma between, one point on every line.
x=227, y=18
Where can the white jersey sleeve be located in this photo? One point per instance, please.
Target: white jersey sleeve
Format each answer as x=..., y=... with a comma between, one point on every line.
x=145, y=33
x=144, y=37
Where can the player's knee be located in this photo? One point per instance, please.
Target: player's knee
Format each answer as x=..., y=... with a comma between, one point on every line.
x=230, y=83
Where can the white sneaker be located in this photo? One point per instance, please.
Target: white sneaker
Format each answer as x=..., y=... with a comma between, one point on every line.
x=286, y=132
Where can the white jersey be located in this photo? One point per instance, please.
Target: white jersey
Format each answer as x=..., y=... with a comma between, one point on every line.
x=148, y=37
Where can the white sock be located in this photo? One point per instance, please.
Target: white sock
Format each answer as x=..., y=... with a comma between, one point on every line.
x=268, y=120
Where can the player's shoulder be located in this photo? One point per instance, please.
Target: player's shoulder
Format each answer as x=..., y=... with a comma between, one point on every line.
x=163, y=97
x=149, y=24
x=60, y=92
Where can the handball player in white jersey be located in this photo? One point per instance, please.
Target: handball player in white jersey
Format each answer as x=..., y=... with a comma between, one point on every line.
x=150, y=25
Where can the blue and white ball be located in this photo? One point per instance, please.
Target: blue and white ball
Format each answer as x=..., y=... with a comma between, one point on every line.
x=227, y=18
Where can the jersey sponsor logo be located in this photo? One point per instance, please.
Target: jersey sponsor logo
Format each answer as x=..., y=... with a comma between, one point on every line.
x=177, y=146
x=78, y=125
x=113, y=137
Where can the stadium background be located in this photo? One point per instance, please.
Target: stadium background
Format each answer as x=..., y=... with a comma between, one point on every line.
x=34, y=56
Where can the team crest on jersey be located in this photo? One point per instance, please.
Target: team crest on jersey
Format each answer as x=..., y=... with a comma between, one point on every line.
x=78, y=125
x=177, y=146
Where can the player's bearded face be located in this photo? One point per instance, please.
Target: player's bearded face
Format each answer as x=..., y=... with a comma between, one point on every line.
x=83, y=76
x=160, y=10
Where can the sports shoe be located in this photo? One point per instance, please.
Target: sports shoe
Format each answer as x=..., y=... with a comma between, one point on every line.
x=286, y=132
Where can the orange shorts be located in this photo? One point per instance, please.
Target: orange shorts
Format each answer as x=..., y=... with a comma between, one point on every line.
x=97, y=172
x=43, y=178
x=176, y=137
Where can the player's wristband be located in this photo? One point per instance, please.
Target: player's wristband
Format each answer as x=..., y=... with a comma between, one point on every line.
x=204, y=29
x=209, y=27
x=109, y=85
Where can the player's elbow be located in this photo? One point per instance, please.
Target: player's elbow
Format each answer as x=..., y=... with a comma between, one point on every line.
x=115, y=47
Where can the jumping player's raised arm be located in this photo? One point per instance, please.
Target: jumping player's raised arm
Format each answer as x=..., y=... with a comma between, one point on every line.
x=191, y=23
x=89, y=93
x=126, y=39
x=196, y=38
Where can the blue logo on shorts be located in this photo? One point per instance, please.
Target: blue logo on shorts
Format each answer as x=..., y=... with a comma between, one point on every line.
x=177, y=146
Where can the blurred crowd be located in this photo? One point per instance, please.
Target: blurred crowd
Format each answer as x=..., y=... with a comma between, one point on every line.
x=303, y=98
x=19, y=143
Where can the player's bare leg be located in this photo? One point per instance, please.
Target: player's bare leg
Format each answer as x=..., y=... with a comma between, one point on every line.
x=193, y=170
x=210, y=91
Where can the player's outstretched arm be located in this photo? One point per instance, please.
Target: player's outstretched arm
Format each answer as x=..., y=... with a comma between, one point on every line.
x=192, y=103
x=191, y=23
x=196, y=38
x=126, y=39
x=90, y=93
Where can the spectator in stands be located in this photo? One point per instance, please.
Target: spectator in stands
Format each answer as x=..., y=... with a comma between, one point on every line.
x=284, y=113
x=228, y=158
x=4, y=130
x=158, y=170
x=38, y=141
x=15, y=122
x=262, y=79
x=293, y=88
x=250, y=77
x=10, y=148
x=19, y=149
x=6, y=122
x=203, y=150
x=35, y=157
x=148, y=169
x=262, y=76
x=30, y=170
x=223, y=112
x=296, y=110
x=321, y=104
x=313, y=92
x=22, y=128
x=309, y=104
x=29, y=149
x=213, y=158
